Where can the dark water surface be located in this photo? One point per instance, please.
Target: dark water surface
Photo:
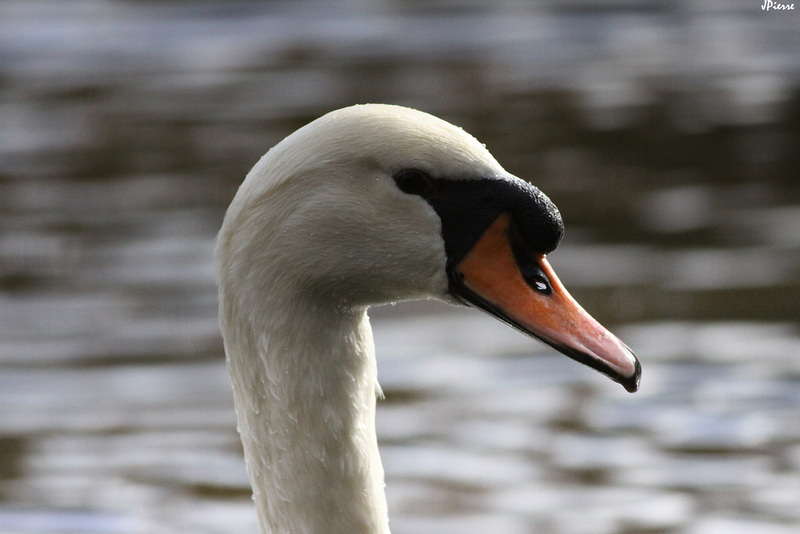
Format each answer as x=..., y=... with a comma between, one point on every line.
x=668, y=133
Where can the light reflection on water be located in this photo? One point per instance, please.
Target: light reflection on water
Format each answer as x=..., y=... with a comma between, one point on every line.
x=668, y=138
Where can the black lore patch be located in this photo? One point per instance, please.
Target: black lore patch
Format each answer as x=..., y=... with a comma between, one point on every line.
x=467, y=207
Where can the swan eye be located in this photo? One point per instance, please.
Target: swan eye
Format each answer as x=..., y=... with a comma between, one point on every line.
x=413, y=182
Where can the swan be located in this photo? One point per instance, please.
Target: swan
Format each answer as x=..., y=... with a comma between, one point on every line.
x=366, y=205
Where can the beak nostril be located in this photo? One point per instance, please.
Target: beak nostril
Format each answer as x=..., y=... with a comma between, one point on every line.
x=541, y=286
x=535, y=278
x=529, y=266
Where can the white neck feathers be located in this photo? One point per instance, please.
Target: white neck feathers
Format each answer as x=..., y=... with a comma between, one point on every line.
x=305, y=400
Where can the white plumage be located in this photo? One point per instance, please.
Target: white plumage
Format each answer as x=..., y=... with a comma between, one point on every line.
x=318, y=231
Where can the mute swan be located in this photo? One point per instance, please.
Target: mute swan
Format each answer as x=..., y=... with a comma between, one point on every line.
x=366, y=205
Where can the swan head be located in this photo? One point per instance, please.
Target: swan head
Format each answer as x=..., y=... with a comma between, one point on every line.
x=376, y=203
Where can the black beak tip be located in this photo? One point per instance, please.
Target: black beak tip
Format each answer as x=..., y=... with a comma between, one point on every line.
x=631, y=383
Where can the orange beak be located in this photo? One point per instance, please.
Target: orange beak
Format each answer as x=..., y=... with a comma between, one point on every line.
x=526, y=293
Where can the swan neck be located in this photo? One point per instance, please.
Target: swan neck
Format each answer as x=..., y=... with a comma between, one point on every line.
x=305, y=393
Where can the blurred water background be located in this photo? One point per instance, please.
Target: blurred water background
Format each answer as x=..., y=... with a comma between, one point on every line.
x=667, y=131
